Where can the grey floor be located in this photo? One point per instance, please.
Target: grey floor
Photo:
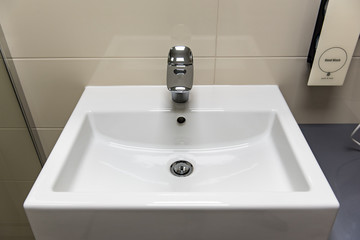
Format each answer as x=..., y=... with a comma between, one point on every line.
x=339, y=158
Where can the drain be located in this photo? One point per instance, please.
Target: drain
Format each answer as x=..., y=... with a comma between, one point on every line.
x=181, y=168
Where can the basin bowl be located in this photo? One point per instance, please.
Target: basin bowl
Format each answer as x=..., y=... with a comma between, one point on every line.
x=253, y=175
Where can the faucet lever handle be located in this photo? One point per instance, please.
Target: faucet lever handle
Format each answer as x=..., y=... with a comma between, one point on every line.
x=180, y=55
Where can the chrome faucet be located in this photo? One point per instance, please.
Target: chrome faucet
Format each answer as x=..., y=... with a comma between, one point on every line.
x=180, y=73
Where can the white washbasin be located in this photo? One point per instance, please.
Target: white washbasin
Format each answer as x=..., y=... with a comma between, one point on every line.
x=253, y=177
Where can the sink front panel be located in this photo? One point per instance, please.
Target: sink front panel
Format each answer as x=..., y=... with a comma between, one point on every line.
x=115, y=224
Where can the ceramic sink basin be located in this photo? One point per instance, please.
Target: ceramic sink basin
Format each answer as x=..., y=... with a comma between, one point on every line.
x=253, y=174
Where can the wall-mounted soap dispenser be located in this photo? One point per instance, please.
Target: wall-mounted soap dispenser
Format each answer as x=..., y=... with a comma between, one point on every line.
x=336, y=43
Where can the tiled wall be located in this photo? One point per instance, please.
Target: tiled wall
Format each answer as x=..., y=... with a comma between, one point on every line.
x=19, y=164
x=61, y=46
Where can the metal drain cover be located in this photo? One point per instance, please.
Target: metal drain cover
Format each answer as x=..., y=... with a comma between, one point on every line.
x=181, y=168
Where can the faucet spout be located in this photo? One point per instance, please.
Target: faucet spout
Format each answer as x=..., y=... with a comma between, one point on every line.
x=180, y=73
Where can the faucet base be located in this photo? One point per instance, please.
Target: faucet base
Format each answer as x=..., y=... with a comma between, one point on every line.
x=180, y=97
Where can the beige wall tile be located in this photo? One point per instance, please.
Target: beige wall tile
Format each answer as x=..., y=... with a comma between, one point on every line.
x=13, y=195
x=48, y=138
x=353, y=86
x=285, y=72
x=13, y=221
x=330, y=104
x=16, y=232
x=266, y=28
x=62, y=46
x=308, y=104
x=53, y=87
x=10, y=113
x=18, y=159
x=123, y=28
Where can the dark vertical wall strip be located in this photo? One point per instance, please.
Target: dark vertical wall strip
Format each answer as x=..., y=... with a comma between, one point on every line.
x=317, y=31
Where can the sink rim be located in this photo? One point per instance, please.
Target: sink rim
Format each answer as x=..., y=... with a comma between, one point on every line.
x=319, y=195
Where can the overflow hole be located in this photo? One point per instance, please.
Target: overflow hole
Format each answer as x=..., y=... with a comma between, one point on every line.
x=181, y=120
